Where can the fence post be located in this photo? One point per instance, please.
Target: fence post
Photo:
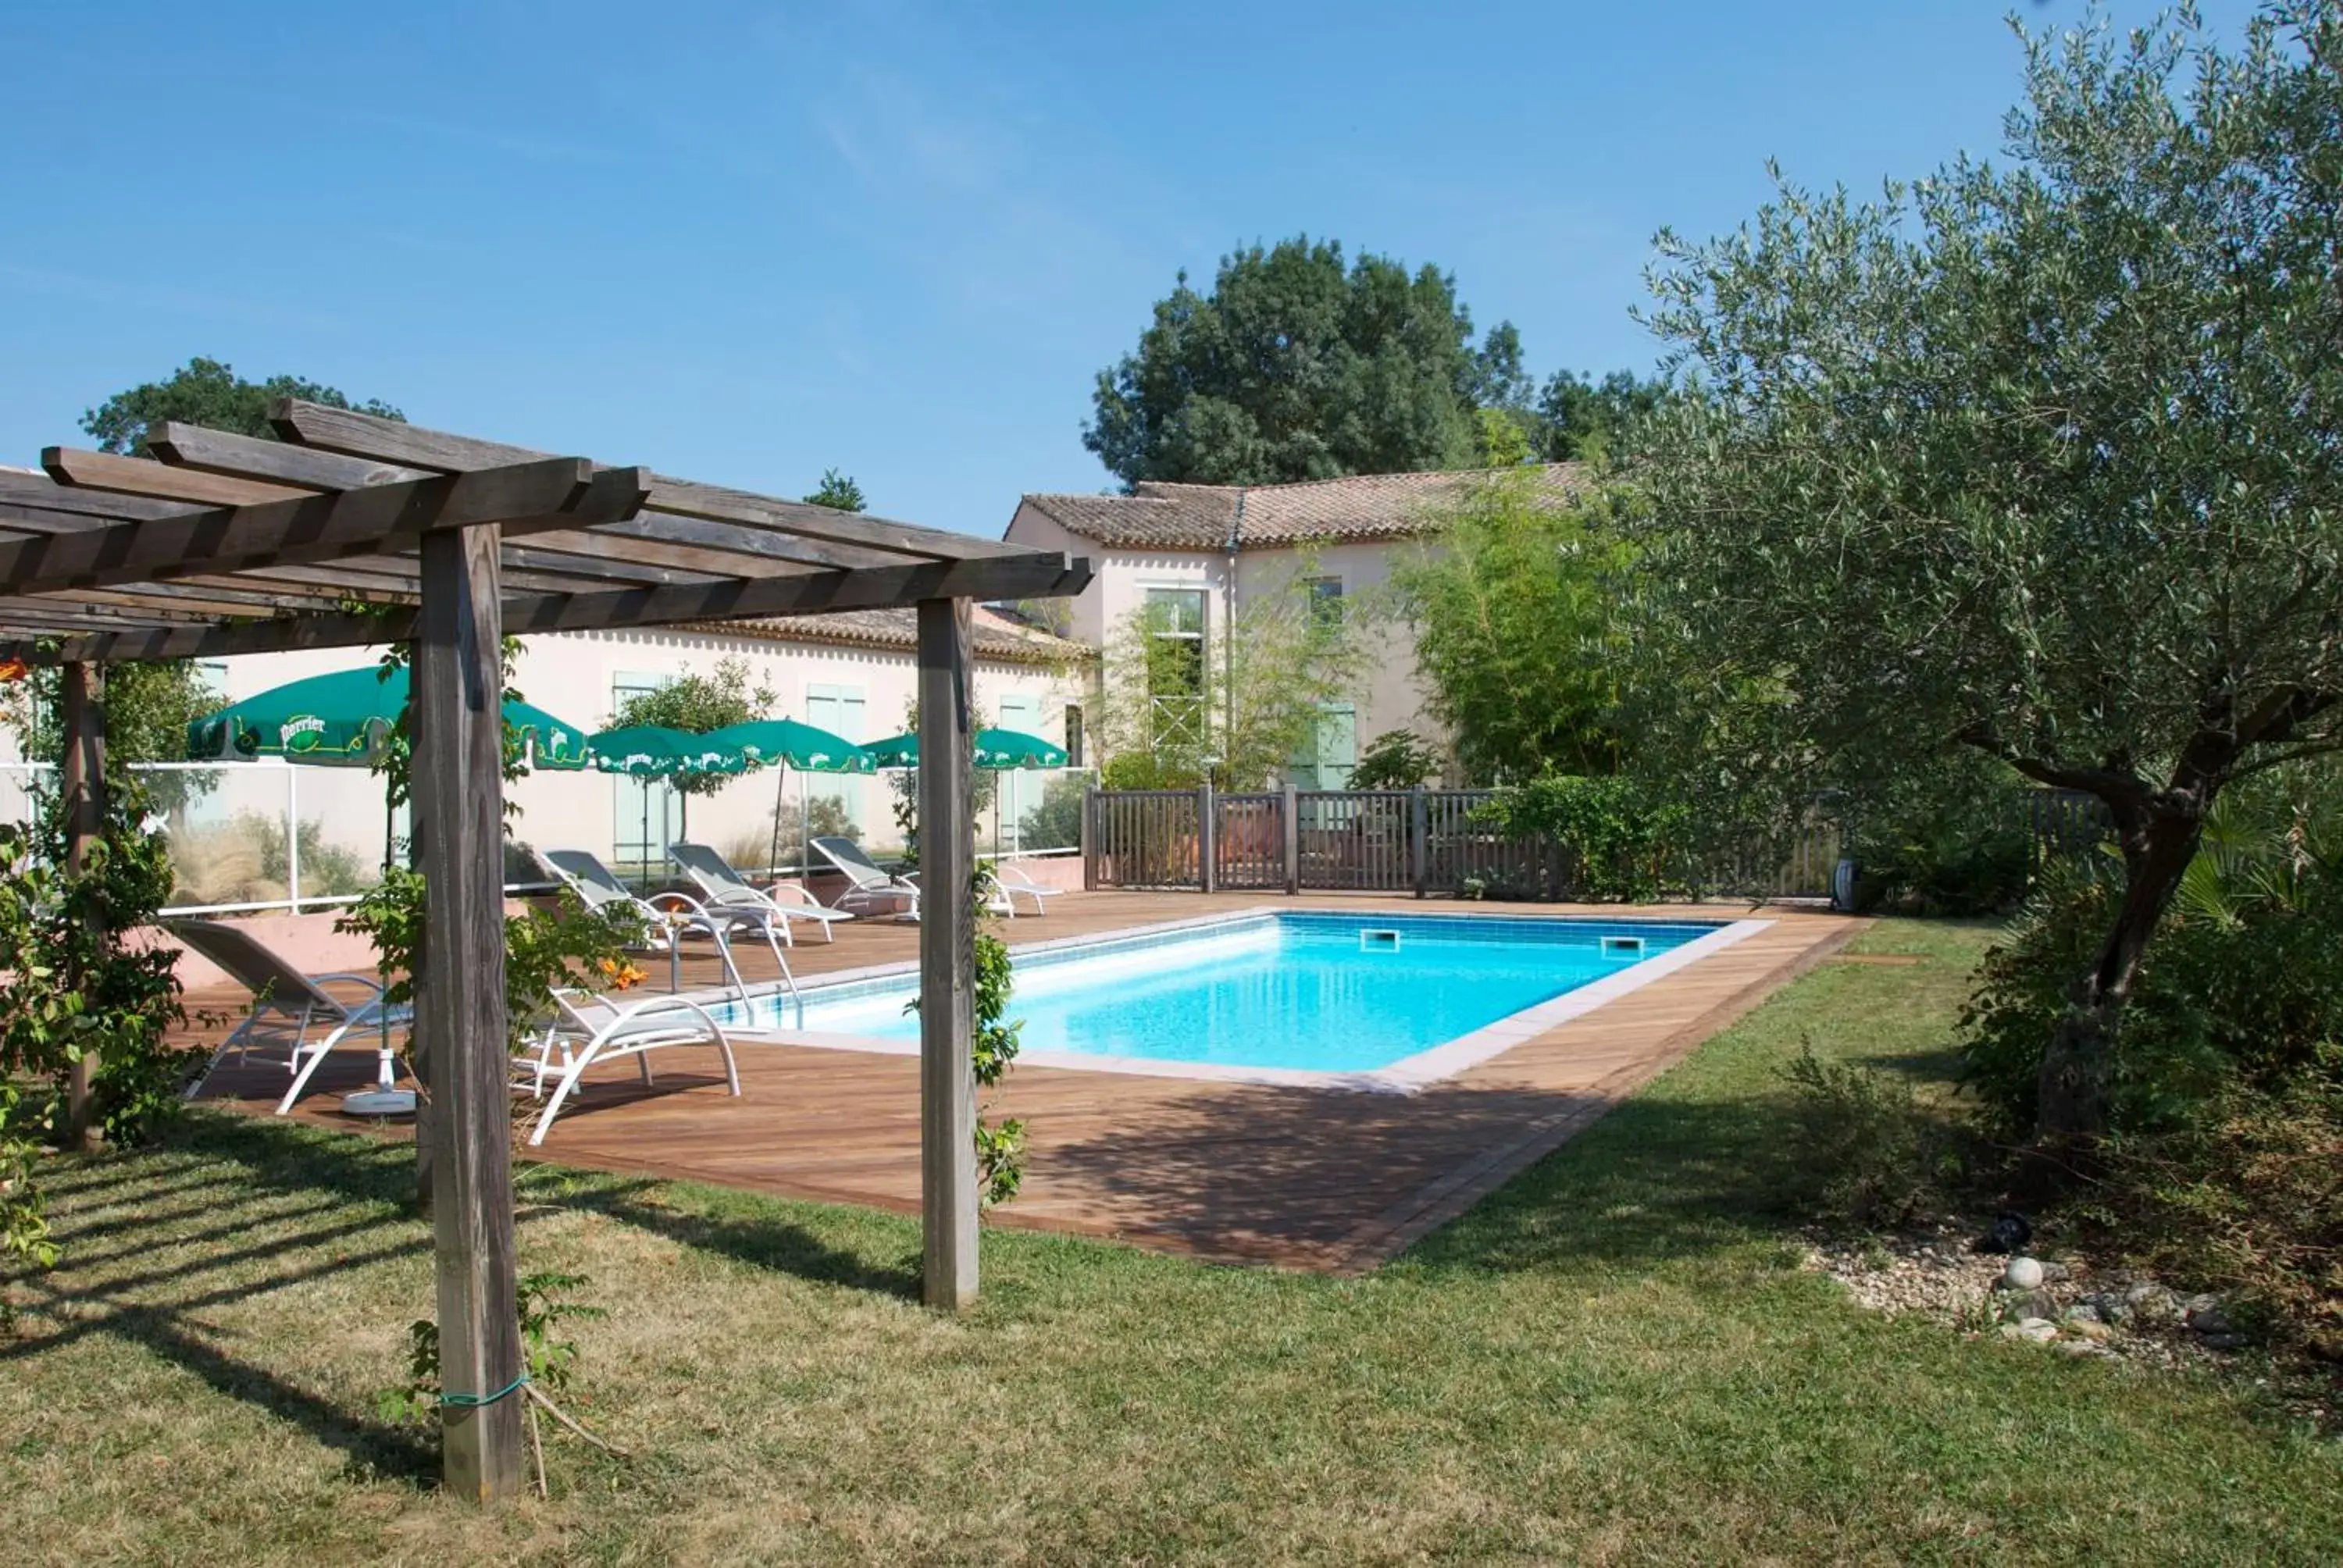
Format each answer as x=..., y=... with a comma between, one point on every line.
x=1292, y=826
x=292, y=837
x=1207, y=850
x=1090, y=809
x=1419, y=840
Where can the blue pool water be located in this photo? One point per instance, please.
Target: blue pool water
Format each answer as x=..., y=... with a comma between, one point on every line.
x=1291, y=991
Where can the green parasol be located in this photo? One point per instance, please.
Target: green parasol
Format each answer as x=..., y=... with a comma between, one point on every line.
x=655, y=751
x=997, y=750
x=769, y=741
x=346, y=718
x=1008, y=751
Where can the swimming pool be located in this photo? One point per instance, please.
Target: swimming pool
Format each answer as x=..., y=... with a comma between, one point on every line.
x=1283, y=996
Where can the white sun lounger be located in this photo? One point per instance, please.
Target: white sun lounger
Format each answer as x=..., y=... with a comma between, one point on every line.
x=1012, y=883
x=867, y=885
x=591, y=1028
x=292, y=1012
x=729, y=894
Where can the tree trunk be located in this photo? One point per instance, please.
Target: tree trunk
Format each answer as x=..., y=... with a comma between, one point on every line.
x=2071, y=1094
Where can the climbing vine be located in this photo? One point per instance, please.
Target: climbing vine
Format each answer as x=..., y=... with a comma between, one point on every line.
x=78, y=989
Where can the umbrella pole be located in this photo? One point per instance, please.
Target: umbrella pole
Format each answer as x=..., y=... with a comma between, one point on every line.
x=781, y=793
x=804, y=831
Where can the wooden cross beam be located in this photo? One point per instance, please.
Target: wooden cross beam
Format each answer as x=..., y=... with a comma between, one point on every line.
x=550, y=493
x=388, y=440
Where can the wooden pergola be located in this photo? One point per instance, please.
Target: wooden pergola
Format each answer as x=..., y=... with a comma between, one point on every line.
x=355, y=530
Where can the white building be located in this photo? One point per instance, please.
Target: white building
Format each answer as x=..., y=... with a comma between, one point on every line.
x=1205, y=550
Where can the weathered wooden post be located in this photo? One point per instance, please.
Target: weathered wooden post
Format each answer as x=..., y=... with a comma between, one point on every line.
x=1207, y=840
x=948, y=1262
x=1419, y=839
x=1090, y=812
x=1292, y=824
x=459, y=1017
x=81, y=784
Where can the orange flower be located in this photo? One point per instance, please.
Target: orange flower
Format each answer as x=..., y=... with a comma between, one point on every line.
x=622, y=974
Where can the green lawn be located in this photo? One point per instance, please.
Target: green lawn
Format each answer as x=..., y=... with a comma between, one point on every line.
x=1615, y=1360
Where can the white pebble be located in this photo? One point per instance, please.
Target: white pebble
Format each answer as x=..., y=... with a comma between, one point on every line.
x=2023, y=1274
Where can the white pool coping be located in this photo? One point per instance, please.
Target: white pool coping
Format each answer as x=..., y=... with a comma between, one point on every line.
x=1408, y=1075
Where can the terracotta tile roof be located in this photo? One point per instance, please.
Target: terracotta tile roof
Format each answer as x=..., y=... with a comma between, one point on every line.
x=996, y=637
x=1157, y=515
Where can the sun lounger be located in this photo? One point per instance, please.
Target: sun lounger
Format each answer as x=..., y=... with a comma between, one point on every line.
x=867, y=885
x=660, y=922
x=1012, y=882
x=726, y=891
x=292, y=1012
x=588, y=1029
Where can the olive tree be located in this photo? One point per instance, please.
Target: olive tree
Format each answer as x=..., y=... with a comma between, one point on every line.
x=2038, y=458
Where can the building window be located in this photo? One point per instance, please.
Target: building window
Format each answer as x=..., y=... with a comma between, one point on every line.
x=1325, y=599
x=1075, y=736
x=1176, y=665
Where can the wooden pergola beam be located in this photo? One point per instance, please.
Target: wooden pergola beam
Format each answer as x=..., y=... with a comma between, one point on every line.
x=388, y=440
x=558, y=492
x=45, y=495
x=654, y=540
x=1038, y=576
x=145, y=477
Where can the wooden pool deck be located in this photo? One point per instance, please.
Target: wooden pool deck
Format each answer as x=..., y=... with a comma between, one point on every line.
x=1324, y=1178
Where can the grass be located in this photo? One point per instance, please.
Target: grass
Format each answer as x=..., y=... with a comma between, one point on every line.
x=1613, y=1359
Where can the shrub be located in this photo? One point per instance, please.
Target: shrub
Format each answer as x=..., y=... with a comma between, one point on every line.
x=1146, y=770
x=1395, y=759
x=2251, y=1002
x=1950, y=865
x=1055, y=822
x=1632, y=844
x=1871, y=1154
x=2245, y=1198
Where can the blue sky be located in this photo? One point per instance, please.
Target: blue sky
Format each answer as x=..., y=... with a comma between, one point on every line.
x=746, y=241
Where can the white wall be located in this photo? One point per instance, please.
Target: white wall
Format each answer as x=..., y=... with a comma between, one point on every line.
x=1391, y=696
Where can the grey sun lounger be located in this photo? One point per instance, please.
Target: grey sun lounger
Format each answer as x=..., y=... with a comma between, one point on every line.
x=663, y=920
x=727, y=892
x=292, y=1012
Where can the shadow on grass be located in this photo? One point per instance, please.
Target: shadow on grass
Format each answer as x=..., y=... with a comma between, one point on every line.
x=297, y=1158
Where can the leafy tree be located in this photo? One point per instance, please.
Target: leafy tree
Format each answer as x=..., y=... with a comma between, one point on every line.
x=2037, y=459
x=207, y=392
x=1582, y=419
x=148, y=706
x=1298, y=366
x=1517, y=631
x=1239, y=705
x=698, y=703
x=839, y=490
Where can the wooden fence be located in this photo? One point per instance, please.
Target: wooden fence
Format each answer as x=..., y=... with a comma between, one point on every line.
x=1419, y=842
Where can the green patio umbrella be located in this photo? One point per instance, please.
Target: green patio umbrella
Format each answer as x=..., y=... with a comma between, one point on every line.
x=655, y=751
x=802, y=747
x=1008, y=751
x=997, y=750
x=344, y=718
